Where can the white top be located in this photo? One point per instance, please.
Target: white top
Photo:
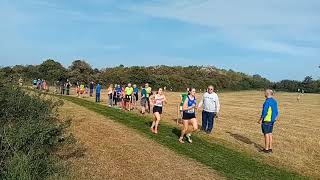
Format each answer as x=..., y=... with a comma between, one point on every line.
x=158, y=100
x=210, y=102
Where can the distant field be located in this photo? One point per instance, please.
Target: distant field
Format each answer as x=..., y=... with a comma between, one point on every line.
x=296, y=134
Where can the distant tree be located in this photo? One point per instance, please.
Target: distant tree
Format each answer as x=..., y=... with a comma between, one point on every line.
x=52, y=70
x=80, y=71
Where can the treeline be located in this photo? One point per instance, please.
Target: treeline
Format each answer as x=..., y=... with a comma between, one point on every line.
x=176, y=78
x=307, y=85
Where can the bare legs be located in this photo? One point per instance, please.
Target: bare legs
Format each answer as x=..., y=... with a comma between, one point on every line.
x=268, y=141
x=155, y=122
x=179, y=116
x=185, y=129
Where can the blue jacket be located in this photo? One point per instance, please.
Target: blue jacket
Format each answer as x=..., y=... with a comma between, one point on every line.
x=98, y=89
x=269, y=110
x=118, y=89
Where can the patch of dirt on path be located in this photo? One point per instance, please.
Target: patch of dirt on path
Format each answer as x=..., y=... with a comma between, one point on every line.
x=113, y=151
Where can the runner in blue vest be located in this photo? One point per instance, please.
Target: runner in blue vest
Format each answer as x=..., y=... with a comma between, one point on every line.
x=189, y=115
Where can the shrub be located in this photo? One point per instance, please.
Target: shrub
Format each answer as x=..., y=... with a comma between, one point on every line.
x=30, y=133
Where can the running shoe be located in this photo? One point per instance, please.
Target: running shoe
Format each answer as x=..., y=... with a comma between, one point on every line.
x=189, y=138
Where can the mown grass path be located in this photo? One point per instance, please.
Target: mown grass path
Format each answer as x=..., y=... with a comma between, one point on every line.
x=230, y=163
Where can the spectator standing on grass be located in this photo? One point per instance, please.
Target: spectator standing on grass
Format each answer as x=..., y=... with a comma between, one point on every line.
x=38, y=84
x=135, y=97
x=87, y=88
x=143, y=99
x=68, y=87
x=118, y=94
x=268, y=117
x=128, y=97
x=98, y=90
x=44, y=85
x=115, y=98
x=91, y=88
x=62, y=87
x=110, y=95
x=211, y=107
x=35, y=83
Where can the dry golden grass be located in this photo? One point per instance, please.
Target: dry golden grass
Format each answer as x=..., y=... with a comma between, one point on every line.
x=112, y=151
x=296, y=134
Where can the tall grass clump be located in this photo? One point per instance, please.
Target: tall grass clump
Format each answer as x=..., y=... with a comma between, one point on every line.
x=30, y=134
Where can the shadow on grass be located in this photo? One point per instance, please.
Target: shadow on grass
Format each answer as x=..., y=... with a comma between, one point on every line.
x=176, y=131
x=245, y=140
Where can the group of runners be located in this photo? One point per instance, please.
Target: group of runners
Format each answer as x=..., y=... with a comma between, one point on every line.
x=63, y=87
x=127, y=97
x=39, y=84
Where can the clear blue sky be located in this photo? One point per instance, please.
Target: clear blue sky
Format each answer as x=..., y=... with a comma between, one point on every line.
x=279, y=39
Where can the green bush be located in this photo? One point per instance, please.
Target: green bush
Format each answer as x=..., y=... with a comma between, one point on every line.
x=30, y=133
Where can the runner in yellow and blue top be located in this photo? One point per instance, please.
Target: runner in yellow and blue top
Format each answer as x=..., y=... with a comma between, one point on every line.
x=128, y=96
x=268, y=117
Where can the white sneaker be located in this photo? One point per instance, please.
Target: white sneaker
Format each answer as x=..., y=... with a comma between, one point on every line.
x=189, y=137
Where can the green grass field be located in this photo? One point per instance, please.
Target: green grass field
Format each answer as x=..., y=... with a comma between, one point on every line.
x=230, y=163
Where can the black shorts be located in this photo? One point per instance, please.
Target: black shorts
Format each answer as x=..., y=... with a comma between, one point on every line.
x=157, y=109
x=128, y=98
x=188, y=116
x=136, y=96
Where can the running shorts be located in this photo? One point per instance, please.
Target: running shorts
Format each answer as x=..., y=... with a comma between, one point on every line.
x=157, y=109
x=143, y=102
x=136, y=96
x=188, y=116
x=267, y=127
x=127, y=98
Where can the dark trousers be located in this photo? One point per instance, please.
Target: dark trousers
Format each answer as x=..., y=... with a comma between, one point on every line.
x=68, y=91
x=207, y=121
x=62, y=90
x=97, y=97
x=110, y=99
x=91, y=92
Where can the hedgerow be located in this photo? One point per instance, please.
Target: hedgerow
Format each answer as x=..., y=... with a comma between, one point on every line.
x=30, y=134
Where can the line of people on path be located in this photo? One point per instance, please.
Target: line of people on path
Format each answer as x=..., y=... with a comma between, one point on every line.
x=39, y=84
x=63, y=87
x=127, y=97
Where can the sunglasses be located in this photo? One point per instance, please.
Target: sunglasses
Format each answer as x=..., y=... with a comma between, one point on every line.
x=210, y=89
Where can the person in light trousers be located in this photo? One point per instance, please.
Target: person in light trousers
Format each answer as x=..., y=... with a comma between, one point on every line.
x=211, y=108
